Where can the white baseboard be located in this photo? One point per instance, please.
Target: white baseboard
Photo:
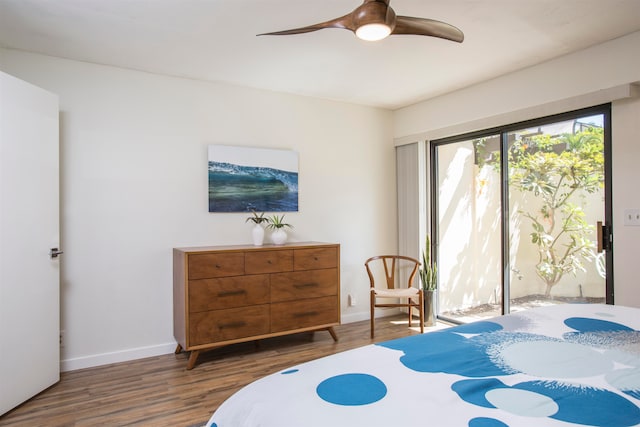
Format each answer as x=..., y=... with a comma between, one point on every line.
x=364, y=315
x=353, y=317
x=116, y=357
x=158, y=350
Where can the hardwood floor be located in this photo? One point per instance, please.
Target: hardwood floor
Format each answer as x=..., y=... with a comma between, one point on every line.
x=159, y=391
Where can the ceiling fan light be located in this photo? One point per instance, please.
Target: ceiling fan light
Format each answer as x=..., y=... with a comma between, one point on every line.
x=373, y=32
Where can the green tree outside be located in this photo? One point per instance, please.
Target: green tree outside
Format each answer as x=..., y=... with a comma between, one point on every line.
x=556, y=170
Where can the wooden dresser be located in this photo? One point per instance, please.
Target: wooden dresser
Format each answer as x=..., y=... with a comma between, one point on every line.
x=229, y=294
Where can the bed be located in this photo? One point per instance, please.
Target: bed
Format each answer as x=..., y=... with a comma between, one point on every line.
x=561, y=365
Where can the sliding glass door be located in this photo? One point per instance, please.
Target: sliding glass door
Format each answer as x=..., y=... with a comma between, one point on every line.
x=468, y=232
x=516, y=213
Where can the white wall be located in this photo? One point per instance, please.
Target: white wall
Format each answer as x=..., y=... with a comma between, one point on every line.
x=589, y=77
x=537, y=91
x=134, y=185
x=625, y=118
x=133, y=177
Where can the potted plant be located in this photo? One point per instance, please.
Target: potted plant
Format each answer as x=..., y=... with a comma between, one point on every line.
x=429, y=282
x=257, y=233
x=277, y=224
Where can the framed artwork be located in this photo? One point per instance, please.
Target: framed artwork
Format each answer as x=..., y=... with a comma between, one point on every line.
x=242, y=179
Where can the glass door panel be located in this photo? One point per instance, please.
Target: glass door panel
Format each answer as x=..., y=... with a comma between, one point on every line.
x=468, y=230
x=516, y=214
x=556, y=198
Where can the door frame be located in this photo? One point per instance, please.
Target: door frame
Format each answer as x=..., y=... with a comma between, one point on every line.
x=502, y=131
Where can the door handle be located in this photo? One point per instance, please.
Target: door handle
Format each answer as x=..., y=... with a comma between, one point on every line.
x=605, y=237
x=54, y=252
x=599, y=233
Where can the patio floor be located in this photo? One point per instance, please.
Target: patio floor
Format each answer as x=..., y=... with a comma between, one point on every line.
x=486, y=311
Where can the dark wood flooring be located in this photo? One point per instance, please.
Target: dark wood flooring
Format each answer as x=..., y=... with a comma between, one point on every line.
x=159, y=391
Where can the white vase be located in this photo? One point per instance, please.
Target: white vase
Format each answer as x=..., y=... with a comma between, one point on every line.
x=279, y=236
x=258, y=235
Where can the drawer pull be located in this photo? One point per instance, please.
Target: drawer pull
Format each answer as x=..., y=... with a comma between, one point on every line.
x=218, y=266
x=306, y=314
x=305, y=285
x=238, y=324
x=231, y=293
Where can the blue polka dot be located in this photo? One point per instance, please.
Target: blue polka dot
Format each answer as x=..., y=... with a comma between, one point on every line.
x=453, y=352
x=352, y=389
x=586, y=405
x=474, y=391
x=479, y=327
x=290, y=371
x=576, y=404
x=584, y=324
x=486, y=422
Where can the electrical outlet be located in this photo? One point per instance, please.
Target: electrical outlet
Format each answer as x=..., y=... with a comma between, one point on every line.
x=351, y=300
x=61, y=339
x=632, y=217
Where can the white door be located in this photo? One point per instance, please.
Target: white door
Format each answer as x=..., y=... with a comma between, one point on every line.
x=29, y=228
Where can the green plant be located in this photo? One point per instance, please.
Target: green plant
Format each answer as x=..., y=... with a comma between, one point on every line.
x=257, y=219
x=429, y=271
x=556, y=170
x=276, y=222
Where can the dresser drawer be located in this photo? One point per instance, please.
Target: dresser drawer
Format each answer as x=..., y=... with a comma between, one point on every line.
x=224, y=325
x=238, y=293
x=304, y=284
x=204, y=266
x=260, y=262
x=228, y=292
x=309, y=259
x=303, y=314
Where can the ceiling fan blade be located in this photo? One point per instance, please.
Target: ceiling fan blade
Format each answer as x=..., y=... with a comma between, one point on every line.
x=427, y=27
x=345, y=22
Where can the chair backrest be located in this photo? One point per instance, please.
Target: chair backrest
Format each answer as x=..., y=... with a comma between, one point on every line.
x=392, y=265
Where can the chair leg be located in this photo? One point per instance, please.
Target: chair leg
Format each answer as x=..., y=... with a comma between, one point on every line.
x=373, y=308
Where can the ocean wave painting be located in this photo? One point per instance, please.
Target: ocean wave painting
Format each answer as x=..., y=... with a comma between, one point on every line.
x=242, y=179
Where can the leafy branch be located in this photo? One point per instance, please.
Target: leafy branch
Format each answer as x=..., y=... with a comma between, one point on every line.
x=555, y=169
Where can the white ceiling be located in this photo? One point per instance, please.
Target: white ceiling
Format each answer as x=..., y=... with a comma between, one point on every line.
x=215, y=40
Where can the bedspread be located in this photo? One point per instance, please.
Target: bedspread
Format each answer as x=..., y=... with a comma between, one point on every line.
x=561, y=365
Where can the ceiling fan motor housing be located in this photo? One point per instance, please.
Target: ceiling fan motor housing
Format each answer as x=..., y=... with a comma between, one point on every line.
x=374, y=12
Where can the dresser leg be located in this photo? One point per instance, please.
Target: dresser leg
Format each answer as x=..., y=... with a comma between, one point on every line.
x=192, y=359
x=333, y=333
x=178, y=349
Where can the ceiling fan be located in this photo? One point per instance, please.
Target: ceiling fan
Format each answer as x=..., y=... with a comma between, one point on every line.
x=375, y=19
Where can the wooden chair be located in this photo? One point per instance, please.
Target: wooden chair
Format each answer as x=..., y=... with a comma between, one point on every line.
x=394, y=287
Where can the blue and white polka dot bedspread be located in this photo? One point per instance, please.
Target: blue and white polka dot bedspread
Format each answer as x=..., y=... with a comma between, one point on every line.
x=562, y=365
